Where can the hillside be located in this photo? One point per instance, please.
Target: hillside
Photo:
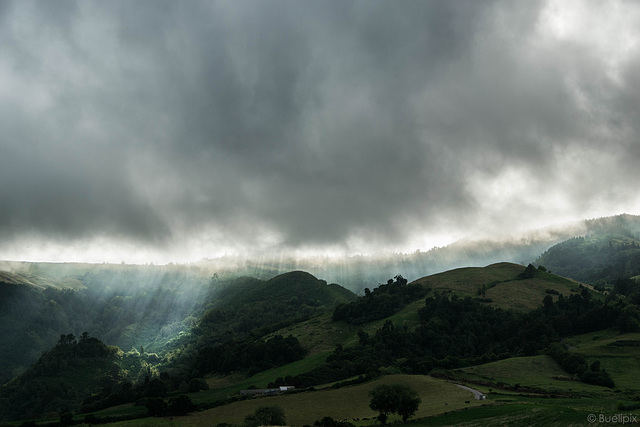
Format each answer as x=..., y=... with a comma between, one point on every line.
x=256, y=337
x=492, y=324
x=248, y=305
x=500, y=286
x=500, y=281
x=506, y=347
x=61, y=378
x=595, y=259
x=235, y=333
x=127, y=306
x=360, y=271
x=301, y=285
x=31, y=277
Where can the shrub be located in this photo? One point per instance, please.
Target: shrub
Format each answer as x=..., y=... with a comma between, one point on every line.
x=266, y=416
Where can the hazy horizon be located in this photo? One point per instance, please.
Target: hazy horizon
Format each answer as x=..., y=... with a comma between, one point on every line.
x=161, y=131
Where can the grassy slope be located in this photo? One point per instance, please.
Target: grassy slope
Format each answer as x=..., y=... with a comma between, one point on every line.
x=622, y=363
x=320, y=334
x=536, y=372
x=540, y=372
x=39, y=281
x=524, y=412
x=503, y=287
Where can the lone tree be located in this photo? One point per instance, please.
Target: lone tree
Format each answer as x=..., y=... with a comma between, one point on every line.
x=394, y=399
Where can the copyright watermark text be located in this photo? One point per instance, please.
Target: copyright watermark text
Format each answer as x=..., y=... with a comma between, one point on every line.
x=613, y=419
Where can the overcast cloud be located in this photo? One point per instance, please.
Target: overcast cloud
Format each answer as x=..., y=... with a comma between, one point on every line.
x=181, y=130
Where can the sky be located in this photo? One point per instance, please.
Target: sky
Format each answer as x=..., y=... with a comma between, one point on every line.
x=157, y=131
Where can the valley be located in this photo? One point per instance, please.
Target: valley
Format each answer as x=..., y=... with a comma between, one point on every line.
x=174, y=345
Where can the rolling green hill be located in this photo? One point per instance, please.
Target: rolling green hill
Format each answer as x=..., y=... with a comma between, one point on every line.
x=501, y=285
x=501, y=282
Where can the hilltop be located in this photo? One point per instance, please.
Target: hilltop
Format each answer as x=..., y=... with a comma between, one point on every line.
x=501, y=285
x=304, y=287
x=32, y=277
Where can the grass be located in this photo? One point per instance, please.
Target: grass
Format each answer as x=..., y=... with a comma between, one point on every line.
x=222, y=387
x=517, y=414
x=351, y=403
x=120, y=410
x=443, y=402
x=535, y=372
x=501, y=283
x=319, y=334
x=438, y=396
x=528, y=411
x=541, y=372
x=622, y=363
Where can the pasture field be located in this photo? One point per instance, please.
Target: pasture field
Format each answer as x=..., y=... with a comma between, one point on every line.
x=350, y=403
x=617, y=353
x=540, y=373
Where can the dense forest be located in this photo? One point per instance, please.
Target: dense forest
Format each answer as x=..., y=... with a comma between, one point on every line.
x=384, y=301
x=610, y=251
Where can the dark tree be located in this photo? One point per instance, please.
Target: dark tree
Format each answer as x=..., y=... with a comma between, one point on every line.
x=528, y=272
x=156, y=406
x=266, y=416
x=408, y=403
x=180, y=405
x=394, y=399
x=155, y=388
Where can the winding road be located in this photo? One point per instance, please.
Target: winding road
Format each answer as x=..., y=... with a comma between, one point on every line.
x=476, y=393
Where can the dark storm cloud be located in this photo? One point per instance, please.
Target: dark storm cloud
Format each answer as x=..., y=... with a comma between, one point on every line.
x=303, y=124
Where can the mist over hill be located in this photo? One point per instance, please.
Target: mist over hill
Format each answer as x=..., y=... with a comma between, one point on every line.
x=353, y=272
x=241, y=316
x=608, y=251
x=361, y=271
x=150, y=305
